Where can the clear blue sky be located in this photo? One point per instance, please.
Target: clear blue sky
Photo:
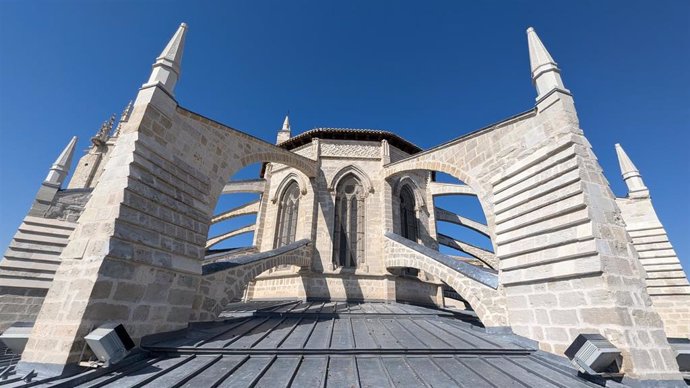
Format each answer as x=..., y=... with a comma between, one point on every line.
x=429, y=72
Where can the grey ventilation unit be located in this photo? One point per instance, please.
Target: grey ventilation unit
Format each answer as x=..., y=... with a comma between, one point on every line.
x=682, y=349
x=16, y=336
x=594, y=354
x=110, y=343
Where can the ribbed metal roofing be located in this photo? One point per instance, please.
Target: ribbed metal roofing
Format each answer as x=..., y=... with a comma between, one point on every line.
x=333, y=344
x=350, y=134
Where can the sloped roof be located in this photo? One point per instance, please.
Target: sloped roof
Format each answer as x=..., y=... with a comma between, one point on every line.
x=350, y=134
x=334, y=344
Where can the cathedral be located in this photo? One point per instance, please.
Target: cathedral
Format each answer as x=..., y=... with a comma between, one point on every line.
x=345, y=282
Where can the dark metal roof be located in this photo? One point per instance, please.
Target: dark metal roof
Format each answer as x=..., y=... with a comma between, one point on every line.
x=350, y=134
x=333, y=344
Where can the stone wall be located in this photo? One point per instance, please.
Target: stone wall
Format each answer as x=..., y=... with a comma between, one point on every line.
x=277, y=283
x=350, y=285
x=287, y=283
x=412, y=290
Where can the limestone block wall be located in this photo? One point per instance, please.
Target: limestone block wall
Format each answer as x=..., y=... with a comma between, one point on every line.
x=287, y=283
x=418, y=292
x=350, y=285
x=553, y=218
x=90, y=167
x=19, y=304
x=277, y=283
x=667, y=283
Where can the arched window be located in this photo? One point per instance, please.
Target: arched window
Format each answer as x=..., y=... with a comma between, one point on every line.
x=408, y=216
x=348, y=239
x=286, y=227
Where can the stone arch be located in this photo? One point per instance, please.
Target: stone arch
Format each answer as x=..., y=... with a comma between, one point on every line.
x=224, y=282
x=487, y=302
x=356, y=171
x=420, y=202
x=278, y=155
x=439, y=189
x=228, y=235
x=241, y=210
x=427, y=162
x=285, y=182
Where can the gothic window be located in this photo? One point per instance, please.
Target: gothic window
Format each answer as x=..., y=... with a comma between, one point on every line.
x=286, y=226
x=408, y=217
x=348, y=239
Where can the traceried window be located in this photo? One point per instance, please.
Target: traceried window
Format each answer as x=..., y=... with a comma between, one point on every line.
x=408, y=216
x=348, y=239
x=286, y=227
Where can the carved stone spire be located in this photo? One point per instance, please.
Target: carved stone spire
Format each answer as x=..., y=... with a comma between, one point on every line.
x=285, y=133
x=60, y=168
x=631, y=175
x=103, y=133
x=166, y=69
x=546, y=76
x=124, y=117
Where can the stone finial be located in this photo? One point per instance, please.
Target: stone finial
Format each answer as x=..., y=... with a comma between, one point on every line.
x=285, y=133
x=124, y=117
x=631, y=175
x=166, y=69
x=385, y=152
x=60, y=168
x=545, y=72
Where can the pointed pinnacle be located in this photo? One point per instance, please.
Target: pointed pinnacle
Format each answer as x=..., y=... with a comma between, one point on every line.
x=173, y=51
x=166, y=69
x=124, y=117
x=538, y=55
x=126, y=112
x=628, y=169
x=58, y=171
x=631, y=175
x=286, y=123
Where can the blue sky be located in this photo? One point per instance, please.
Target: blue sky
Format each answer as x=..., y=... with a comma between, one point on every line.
x=429, y=72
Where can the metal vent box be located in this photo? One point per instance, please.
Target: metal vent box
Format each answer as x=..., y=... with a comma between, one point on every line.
x=110, y=343
x=593, y=352
x=682, y=349
x=16, y=336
